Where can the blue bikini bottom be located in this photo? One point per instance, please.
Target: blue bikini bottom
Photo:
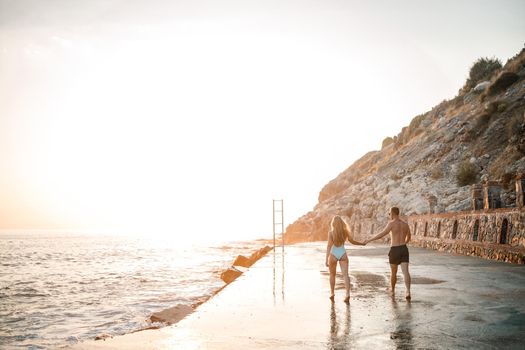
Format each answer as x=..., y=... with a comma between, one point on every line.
x=338, y=252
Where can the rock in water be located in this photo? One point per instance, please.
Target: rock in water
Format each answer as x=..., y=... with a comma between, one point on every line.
x=103, y=336
x=259, y=254
x=171, y=315
x=230, y=275
x=243, y=261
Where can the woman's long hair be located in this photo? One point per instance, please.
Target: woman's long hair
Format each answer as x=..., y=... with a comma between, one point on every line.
x=340, y=230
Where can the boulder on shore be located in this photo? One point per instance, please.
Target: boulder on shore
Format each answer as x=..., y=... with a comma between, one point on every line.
x=103, y=336
x=243, y=261
x=263, y=251
x=171, y=315
x=230, y=275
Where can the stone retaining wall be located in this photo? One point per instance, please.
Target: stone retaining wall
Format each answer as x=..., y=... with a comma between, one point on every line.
x=497, y=234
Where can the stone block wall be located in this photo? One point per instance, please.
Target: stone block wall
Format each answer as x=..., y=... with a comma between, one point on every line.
x=497, y=234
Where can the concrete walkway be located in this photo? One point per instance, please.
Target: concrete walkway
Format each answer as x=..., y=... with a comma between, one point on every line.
x=457, y=302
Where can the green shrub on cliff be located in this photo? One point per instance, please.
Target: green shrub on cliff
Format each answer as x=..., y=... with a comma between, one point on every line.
x=467, y=174
x=481, y=70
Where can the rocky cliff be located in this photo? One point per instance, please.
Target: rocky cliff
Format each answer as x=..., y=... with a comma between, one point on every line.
x=430, y=165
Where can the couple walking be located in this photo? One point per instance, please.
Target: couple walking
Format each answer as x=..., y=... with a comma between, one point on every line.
x=398, y=255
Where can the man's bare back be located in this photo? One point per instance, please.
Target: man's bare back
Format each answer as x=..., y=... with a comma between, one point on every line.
x=399, y=232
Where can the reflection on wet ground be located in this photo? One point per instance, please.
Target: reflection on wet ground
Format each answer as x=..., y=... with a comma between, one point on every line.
x=424, y=280
x=402, y=327
x=364, y=279
x=339, y=328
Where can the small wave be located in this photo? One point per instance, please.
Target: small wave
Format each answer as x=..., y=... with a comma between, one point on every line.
x=14, y=320
x=72, y=339
x=29, y=295
x=23, y=283
x=108, y=313
x=105, y=324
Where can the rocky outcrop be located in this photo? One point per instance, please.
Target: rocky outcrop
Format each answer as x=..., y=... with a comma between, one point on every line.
x=418, y=170
x=481, y=87
x=503, y=81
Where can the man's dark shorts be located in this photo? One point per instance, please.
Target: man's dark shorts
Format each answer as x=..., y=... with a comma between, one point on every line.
x=398, y=254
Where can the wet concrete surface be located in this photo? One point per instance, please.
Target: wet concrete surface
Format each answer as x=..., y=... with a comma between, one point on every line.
x=282, y=302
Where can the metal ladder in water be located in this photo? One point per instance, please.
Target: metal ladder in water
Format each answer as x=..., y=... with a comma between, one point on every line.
x=278, y=229
x=278, y=221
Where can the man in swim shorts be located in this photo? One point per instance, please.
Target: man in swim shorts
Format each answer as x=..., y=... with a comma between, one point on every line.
x=398, y=255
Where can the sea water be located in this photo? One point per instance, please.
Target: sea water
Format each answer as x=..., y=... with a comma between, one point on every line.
x=60, y=288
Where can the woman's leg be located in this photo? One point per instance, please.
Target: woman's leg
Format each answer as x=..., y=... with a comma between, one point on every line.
x=343, y=263
x=332, y=264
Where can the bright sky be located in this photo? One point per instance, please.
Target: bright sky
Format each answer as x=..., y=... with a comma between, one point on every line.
x=186, y=118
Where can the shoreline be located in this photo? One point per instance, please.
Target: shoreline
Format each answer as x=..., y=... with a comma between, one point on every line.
x=172, y=315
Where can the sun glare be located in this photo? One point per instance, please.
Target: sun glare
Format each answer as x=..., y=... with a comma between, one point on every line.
x=194, y=123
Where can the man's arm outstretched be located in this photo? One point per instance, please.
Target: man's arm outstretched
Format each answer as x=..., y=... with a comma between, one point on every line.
x=381, y=234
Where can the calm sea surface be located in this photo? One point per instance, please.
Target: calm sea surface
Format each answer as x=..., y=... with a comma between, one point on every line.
x=57, y=289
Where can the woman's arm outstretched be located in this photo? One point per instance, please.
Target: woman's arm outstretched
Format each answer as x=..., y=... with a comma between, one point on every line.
x=353, y=241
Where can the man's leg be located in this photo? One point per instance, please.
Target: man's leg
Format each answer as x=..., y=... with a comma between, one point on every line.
x=393, y=279
x=406, y=277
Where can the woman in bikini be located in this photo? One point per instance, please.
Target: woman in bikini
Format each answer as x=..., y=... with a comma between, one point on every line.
x=335, y=251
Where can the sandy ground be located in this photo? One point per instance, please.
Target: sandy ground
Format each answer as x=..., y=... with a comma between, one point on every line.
x=282, y=303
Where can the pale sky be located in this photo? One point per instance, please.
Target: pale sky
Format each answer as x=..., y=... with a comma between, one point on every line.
x=186, y=118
